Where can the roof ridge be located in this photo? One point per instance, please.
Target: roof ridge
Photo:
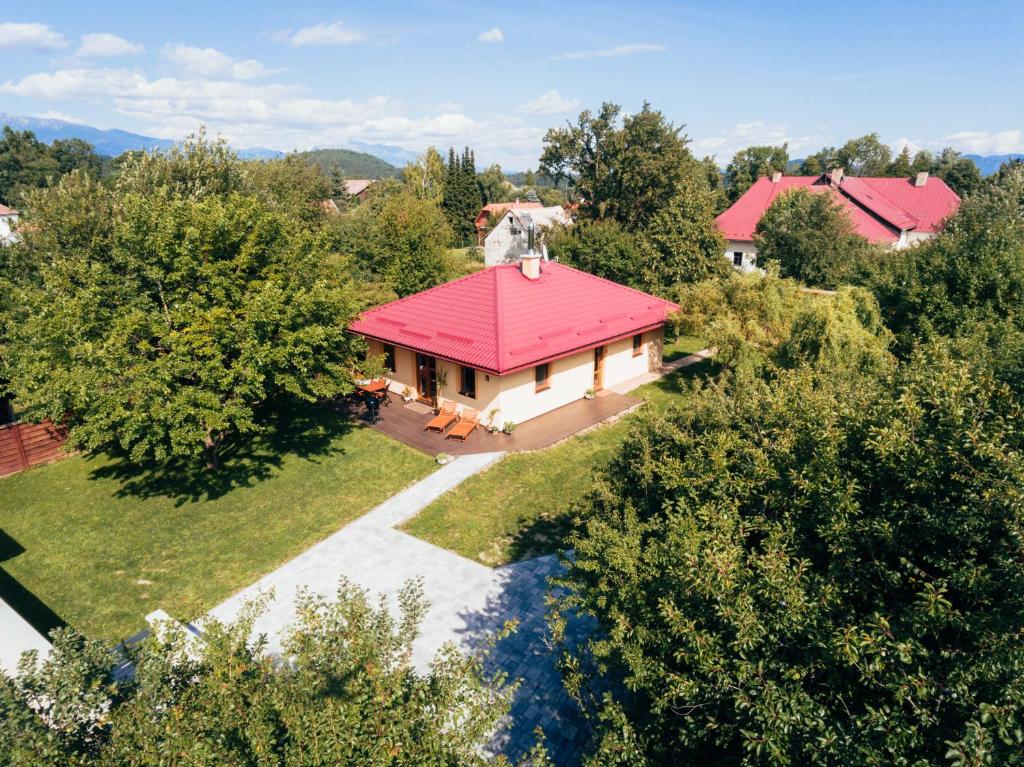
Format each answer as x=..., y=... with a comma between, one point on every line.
x=863, y=180
x=463, y=278
x=498, y=325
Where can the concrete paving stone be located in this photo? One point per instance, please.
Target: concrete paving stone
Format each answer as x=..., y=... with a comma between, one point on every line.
x=468, y=602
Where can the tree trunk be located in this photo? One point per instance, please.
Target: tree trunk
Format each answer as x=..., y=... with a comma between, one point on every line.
x=212, y=445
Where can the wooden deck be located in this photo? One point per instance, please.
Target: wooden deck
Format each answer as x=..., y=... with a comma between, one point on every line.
x=406, y=425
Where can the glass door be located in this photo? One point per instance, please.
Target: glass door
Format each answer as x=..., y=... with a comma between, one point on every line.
x=426, y=367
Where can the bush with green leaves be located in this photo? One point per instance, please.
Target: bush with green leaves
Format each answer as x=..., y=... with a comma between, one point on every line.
x=810, y=566
x=346, y=692
x=968, y=278
x=812, y=239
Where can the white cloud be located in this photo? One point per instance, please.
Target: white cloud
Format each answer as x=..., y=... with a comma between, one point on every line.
x=104, y=44
x=984, y=142
x=550, y=103
x=492, y=35
x=755, y=133
x=209, y=62
x=31, y=35
x=321, y=34
x=279, y=116
x=610, y=53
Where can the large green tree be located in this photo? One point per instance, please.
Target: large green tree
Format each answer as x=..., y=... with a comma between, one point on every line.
x=426, y=176
x=603, y=248
x=396, y=238
x=27, y=163
x=750, y=164
x=158, y=316
x=627, y=170
x=347, y=695
x=682, y=243
x=811, y=237
x=463, y=196
x=971, y=274
x=824, y=565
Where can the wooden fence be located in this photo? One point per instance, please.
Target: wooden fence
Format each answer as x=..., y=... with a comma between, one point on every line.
x=23, y=445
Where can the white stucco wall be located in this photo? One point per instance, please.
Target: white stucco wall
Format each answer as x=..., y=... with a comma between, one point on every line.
x=514, y=395
x=6, y=234
x=749, y=258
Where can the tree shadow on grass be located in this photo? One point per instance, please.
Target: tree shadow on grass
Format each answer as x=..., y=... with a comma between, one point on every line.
x=307, y=431
x=36, y=612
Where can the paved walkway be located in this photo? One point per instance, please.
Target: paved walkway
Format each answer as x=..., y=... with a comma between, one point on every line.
x=468, y=602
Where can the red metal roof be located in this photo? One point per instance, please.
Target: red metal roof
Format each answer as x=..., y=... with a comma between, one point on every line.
x=880, y=208
x=499, y=321
x=5, y=211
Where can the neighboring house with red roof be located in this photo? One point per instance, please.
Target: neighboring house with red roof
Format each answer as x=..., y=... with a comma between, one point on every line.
x=8, y=218
x=897, y=212
x=517, y=340
x=358, y=187
x=489, y=212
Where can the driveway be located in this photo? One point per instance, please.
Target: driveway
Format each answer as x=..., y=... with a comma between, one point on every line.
x=468, y=601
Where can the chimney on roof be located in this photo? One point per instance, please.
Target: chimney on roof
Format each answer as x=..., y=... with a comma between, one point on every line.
x=529, y=264
x=836, y=176
x=922, y=178
x=776, y=177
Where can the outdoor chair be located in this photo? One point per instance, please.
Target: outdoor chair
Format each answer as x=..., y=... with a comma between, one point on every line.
x=443, y=419
x=470, y=420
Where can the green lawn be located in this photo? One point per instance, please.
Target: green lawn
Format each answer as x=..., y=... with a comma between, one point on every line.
x=99, y=544
x=519, y=508
x=681, y=347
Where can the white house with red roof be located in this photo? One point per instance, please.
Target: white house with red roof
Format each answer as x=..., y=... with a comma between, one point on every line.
x=8, y=218
x=897, y=212
x=518, y=340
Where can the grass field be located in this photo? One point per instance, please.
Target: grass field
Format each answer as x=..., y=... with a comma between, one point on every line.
x=98, y=543
x=519, y=508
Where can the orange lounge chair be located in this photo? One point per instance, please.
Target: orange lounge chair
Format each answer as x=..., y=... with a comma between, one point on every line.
x=444, y=417
x=469, y=421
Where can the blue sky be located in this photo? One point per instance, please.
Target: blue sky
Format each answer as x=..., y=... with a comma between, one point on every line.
x=495, y=76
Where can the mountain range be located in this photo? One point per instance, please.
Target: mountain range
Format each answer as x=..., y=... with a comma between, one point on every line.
x=113, y=142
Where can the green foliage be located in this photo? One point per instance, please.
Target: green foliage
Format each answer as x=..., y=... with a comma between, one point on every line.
x=157, y=316
x=26, y=163
x=627, y=171
x=750, y=164
x=812, y=239
x=716, y=183
x=396, y=238
x=496, y=188
x=863, y=156
x=347, y=695
x=755, y=321
x=289, y=185
x=463, y=196
x=971, y=274
x=425, y=177
x=682, y=243
x=603, y=248
x=814, y=567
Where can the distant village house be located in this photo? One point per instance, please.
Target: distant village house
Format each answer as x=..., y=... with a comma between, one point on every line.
x=509, y=239
x=898, y=212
